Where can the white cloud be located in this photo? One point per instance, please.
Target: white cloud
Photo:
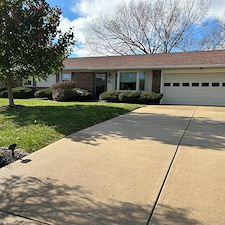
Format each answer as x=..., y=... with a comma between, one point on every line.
x=80, y=26
x=92, y=8
x=89, y=9
x=217, y=8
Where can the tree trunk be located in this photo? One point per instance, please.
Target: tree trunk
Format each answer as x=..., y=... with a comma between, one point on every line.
x=9, y=88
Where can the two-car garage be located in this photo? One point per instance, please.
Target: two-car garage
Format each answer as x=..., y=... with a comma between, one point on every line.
x=197, y=87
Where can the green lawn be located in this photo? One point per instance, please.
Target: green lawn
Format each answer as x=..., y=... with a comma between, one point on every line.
x=42, y=122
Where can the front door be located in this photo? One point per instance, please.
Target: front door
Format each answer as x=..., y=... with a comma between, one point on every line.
x=100, y=83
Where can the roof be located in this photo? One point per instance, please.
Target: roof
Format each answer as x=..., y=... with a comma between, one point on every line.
x=196, y=59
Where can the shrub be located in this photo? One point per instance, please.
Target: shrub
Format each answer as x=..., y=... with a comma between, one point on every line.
x=63, y=91
x=3, y=88
x=19, y=92
x=110, y=96
x=82, y=94
x=44, y=93
x=150, y=97
x=130, y=96
x=4, y=94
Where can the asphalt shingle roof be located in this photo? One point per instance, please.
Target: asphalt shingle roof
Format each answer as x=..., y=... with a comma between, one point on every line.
x=161, y=60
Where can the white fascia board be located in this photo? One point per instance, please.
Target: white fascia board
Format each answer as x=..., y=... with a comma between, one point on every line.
x=148, y=67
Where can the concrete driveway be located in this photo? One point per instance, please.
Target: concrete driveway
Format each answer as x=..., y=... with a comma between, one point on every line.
x=161, y=165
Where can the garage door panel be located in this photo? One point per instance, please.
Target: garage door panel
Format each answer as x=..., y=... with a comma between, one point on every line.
x=202, y=89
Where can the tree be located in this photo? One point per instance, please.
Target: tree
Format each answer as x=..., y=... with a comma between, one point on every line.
x=211, y=34
x=210, y=37
x=144, y=27
x=30, y=42
x=221, y=31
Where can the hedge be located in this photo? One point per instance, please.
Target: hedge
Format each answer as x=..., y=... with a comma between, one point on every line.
x=44, y=93
x=19, y=93
x=150, y=97
x=131, y=97
x=2, y=88
x=82, y=94
x=110, y=96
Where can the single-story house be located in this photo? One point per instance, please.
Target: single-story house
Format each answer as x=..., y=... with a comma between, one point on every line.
x=184, y=78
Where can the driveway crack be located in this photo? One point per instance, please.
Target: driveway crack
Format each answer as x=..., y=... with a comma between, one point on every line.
x=24, y=217
x=169, y=168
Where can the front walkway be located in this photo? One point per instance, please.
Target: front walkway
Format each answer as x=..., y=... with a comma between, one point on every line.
x=157, y=165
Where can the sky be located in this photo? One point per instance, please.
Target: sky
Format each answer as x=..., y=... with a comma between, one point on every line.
x=78, y=13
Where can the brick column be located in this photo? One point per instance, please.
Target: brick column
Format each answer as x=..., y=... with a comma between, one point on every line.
x=156, y=81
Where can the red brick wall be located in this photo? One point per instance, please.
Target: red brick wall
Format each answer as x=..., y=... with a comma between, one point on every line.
x=156, y=81
x=84, y=80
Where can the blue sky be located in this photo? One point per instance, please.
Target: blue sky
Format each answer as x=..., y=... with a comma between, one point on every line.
x=66, y=7
x=79, y=13
x=69, y=5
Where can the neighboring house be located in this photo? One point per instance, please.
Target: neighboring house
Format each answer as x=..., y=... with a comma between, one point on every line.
x=183, y=78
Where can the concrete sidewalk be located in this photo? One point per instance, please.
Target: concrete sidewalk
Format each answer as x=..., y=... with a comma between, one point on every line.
x=112, y=173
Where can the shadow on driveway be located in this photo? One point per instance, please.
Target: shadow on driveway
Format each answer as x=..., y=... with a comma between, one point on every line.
x=202, y=132
x=52, y=203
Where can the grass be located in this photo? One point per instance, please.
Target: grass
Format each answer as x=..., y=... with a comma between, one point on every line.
x=42, y=122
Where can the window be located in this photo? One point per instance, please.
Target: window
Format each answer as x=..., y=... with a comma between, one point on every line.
x=141, y=81
x=223, y=84
x=65, y=77
x=176, y=84
x=128, y=81
x=215, y=84
x=166, y=84
x=205, y=84
x=195, y=84
x=28, y=82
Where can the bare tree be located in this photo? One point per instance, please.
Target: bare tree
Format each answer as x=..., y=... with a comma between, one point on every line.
x=221, y=33
x=211, y=35
x=146, y=27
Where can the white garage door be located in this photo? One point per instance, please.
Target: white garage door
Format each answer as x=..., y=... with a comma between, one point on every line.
x=193, y=89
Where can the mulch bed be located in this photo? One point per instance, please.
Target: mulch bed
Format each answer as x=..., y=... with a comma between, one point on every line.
x=7, y=158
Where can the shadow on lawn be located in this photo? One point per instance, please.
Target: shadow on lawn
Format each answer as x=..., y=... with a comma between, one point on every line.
x=46, y=201
x=65, y=119
x=165, y=128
